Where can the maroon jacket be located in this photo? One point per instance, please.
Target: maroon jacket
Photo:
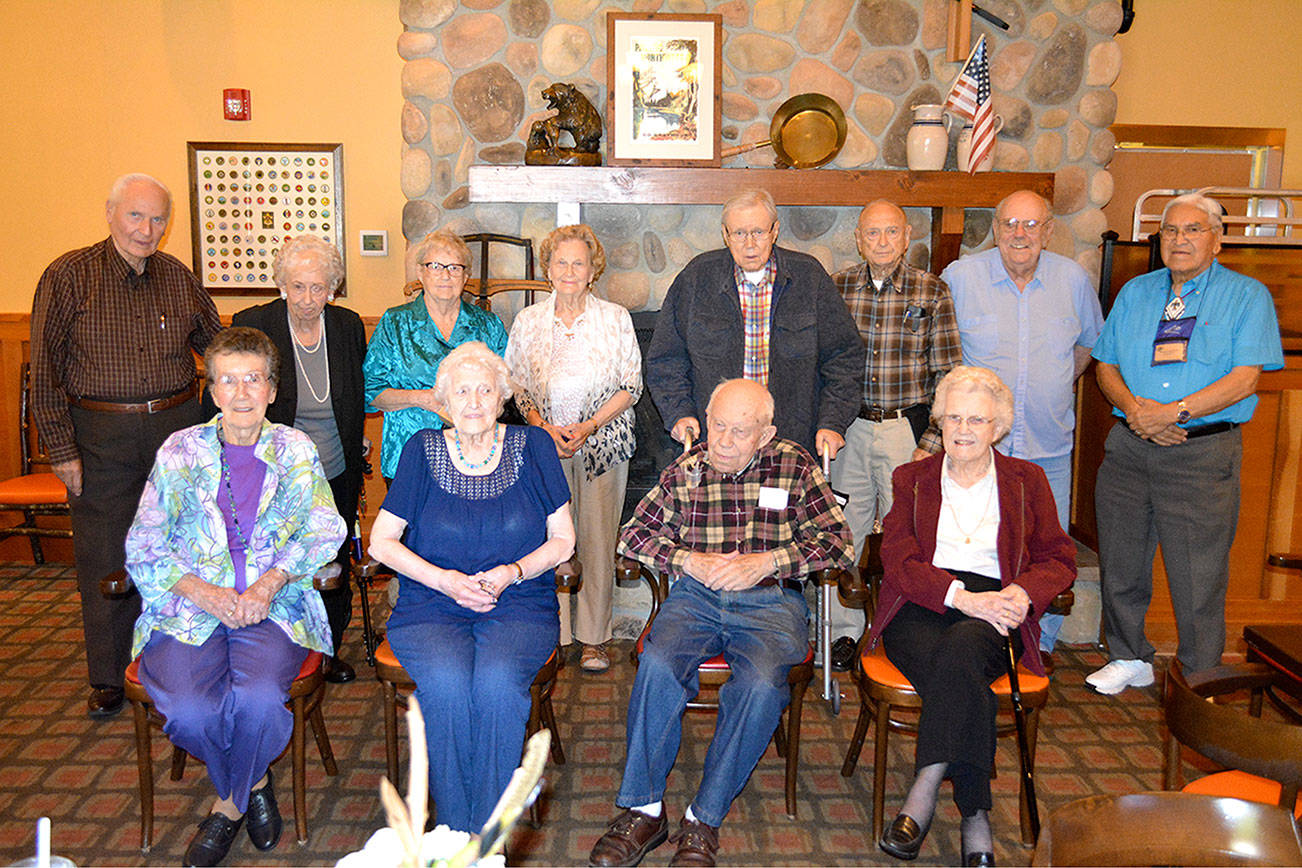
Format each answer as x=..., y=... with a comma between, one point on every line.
x=1034, y=552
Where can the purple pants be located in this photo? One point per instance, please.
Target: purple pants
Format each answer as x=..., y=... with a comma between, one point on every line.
x=224, y=700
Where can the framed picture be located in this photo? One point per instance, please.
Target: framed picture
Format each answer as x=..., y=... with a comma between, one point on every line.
x=373, y=242
x=247, y=198
x=663, y=82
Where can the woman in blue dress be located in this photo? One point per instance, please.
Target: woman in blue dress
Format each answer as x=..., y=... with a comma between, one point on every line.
x=486, y=513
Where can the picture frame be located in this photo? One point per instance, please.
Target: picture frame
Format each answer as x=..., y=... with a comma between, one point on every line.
x=664, y=78
x=373, y=242
x=246, y=198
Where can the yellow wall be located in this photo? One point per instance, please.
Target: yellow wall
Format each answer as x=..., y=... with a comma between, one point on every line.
x=1216, y=63
x=96, y=88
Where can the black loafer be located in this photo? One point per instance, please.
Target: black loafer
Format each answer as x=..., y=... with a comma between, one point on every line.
x=843, y=651
x=263, y=817
x=212, y=842
x=337, y=671
x=104, y=702
x=903, y=837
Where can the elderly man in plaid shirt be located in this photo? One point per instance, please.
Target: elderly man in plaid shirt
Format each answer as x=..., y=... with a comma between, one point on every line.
x=906, y=319
x=737, y=523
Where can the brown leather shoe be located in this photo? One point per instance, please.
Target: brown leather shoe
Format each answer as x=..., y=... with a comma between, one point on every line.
x=697, y=844
x=629, y=838
x=104, y=702
x=1046, y=660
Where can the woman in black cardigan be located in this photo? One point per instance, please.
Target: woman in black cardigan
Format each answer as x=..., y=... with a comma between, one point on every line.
x=321, y=389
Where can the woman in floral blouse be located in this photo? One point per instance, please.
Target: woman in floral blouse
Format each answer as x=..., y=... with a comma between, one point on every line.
x=235, y=519
x=576, y=362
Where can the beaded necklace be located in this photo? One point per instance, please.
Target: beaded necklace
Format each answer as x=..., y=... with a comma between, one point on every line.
x=300, y=349
x=492, y=450
x=230, y=493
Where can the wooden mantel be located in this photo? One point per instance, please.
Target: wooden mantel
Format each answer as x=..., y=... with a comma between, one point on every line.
x=946, y=193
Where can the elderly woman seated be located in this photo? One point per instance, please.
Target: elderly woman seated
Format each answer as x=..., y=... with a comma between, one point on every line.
x=234, y=521
x=475, y=522
x=973, y=553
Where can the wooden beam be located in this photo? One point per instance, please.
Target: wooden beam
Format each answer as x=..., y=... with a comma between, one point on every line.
x=958, y=31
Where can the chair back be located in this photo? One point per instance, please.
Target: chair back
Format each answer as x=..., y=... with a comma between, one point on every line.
x=34, y=457
x=1228, y=736
x=481, y=289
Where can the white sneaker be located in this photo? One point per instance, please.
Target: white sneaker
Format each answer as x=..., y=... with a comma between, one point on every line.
x=1120, y=674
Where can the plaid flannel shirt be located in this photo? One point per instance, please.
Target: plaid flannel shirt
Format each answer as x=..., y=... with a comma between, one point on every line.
x=756, y=310
x=911, y=334
x=721, y=513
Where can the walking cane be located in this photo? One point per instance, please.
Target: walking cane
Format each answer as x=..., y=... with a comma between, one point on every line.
x=830, y=693
x=1019, y=718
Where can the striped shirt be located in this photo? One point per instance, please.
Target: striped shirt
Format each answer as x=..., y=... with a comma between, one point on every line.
x=756, y=303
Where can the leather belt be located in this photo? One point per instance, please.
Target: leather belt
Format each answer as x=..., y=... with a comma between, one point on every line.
x=873, y=413
x=1197, y=430
x=788, y=584
x=155, y=405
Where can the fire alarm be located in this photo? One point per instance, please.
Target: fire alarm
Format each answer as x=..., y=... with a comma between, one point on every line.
x=235, y=103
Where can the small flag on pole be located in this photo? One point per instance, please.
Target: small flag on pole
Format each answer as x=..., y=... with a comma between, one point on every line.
x=969, y=98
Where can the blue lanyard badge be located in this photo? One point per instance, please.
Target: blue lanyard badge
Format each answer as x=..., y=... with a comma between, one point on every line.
x=1171, y=344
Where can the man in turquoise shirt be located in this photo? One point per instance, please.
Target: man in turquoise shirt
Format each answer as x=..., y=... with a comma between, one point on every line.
x=1179, y=359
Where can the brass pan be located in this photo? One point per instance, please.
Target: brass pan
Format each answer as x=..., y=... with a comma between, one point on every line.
x=807, y=130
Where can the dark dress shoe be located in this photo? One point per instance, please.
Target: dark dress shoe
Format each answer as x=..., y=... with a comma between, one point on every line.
x=903, y=837
x=104, y=702
x=263, y=817
x=629, y=838
x=843, y=651
x=1046, y=659
x=212, y=842
x=337, y=671
x=698, y=843
x=983, y=859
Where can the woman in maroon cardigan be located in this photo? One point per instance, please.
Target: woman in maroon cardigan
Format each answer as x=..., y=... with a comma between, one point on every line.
x=973, y=552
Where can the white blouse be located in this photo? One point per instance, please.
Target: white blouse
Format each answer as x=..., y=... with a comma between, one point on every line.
x=968, y=530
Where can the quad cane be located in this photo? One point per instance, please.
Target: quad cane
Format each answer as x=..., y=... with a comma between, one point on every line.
x=1019, y=719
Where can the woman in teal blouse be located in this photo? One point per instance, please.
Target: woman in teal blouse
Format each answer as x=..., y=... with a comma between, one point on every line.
x=411, y=340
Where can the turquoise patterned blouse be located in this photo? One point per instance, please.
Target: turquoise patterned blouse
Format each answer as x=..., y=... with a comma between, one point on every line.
x=404, y=353
x=179, y=529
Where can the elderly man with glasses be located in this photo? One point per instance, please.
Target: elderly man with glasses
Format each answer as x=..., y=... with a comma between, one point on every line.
x=761, y=312
x=1031, y=316
x=1179, y=359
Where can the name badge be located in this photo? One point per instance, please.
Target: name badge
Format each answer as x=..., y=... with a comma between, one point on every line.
x=772, y=498
x=1171, y=343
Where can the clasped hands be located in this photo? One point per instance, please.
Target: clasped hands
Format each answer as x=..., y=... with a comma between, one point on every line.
x=1155, y=422
x=237, y=610
x=729, y=572
x=1004, y=609
x=478, y=592
x=569, y=438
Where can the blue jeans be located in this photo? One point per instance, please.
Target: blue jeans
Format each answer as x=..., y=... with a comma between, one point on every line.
x=472, y=677
x=1059, y=472
x=761, y=633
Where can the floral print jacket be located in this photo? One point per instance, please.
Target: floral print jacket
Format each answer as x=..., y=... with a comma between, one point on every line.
x=179, y=529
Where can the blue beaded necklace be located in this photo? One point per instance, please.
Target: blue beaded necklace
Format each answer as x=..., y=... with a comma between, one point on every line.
x=492, y=451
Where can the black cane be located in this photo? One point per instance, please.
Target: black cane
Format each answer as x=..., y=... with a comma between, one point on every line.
x=1019, y=718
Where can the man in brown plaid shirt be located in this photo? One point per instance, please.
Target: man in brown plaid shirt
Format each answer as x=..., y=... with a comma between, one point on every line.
x=906, y=319
x=737, y=523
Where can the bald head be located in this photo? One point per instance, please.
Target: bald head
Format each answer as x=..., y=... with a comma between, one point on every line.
x=882, y=237
x=1023, y=226
x=739, y=420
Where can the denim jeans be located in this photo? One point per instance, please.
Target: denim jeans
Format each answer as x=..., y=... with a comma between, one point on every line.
x=761, y=633
x=1059, y=472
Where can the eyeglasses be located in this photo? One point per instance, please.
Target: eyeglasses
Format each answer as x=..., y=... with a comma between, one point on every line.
x=741, y=236
x=252, y=379
x=972, y=421
x=456, y=269
x=1193, y=231
x=891, y=232
x=1011, y=224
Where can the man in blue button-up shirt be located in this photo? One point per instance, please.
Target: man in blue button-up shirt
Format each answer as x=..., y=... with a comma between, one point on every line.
x=1031, y=316
x=1179, y=359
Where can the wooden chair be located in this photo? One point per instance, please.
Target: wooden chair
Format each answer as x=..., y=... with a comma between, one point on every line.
x=1263, y=757
x=715, y=671
x=1168, y=829
x=36, y=491
x=889, y=702
x=305, y=696
x=481, y=289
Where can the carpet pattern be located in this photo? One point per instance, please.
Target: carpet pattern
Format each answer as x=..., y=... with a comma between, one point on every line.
x=56, y=762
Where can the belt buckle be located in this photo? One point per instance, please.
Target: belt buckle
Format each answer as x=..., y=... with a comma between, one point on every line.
x=875, y=413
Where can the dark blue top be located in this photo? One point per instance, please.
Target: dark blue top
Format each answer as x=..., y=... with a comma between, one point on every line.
x=473, y=523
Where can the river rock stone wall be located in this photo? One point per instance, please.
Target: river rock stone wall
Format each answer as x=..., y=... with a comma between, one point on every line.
x=474, y=71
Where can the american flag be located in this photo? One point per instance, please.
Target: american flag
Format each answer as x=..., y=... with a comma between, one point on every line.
x=969, y=98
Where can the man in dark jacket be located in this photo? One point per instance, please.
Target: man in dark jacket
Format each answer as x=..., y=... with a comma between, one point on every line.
x=763, y=313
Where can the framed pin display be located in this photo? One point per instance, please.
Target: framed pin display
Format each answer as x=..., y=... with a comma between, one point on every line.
x=247, y=198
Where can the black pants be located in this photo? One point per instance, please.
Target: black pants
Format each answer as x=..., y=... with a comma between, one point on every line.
x=339, y=602
x=951, y=659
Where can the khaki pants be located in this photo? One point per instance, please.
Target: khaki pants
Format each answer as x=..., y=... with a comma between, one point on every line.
x=595, y=505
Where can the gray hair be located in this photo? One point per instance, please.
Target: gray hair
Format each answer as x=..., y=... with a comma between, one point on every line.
x=307, y=248
x=445, y=238
x=766, y=406
x=748, y=199
x=473, y=354
x=1206, y=204
x=119, y=188
x=969, y=378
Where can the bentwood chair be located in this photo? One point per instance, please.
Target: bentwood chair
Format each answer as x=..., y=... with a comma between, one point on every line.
x=36, y=491
x=305, y=696
x=712, y=673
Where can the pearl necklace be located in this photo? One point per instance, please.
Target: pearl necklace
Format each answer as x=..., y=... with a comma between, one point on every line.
x=302, y=368
x=492, y=450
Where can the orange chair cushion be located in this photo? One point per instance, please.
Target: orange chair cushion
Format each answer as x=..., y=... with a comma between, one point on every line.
x=33, y=490
x=1241, y=785
x=879, y=669
x=311, y=664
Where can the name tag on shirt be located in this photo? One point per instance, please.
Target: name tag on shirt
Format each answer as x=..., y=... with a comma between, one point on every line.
x=772, y=498
x=1171, y=343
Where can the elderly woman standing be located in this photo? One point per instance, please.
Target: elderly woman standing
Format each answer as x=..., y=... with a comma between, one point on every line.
x=486, y=516
x=576, y=361
x=234, y=521
x=320, y=392
x=971, y=548
x=411, y=340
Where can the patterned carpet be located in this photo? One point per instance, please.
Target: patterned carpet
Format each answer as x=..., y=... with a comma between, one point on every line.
x=55, y=762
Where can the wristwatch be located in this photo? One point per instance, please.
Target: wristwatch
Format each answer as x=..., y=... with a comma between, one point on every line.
x=1184, y=415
